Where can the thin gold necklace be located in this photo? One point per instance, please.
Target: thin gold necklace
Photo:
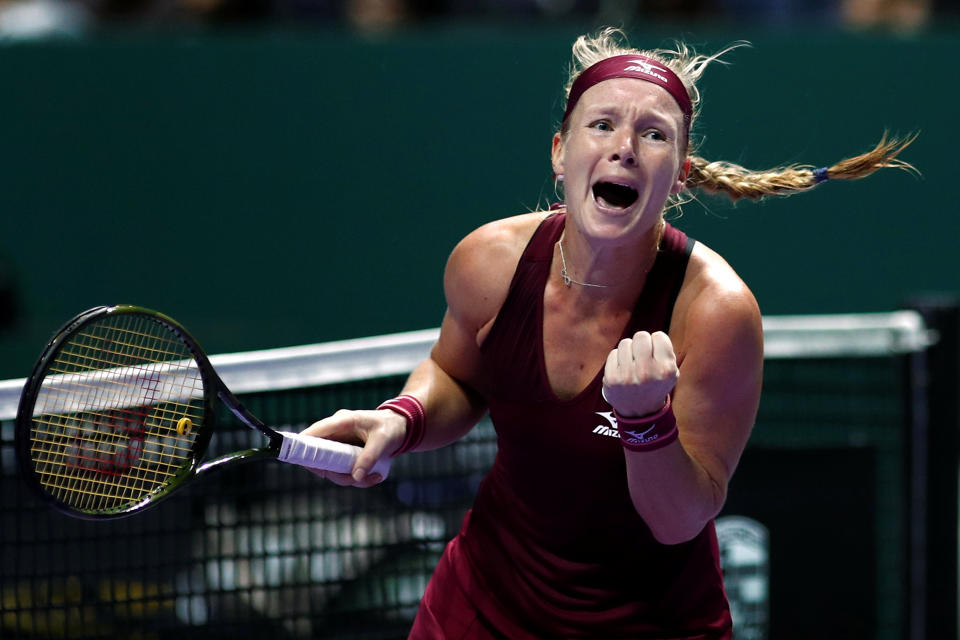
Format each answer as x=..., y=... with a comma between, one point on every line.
x=567, y=280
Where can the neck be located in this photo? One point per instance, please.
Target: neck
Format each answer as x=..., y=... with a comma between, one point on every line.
x=605, y=271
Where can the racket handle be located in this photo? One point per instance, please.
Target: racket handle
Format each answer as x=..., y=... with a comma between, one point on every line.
x=320, y=453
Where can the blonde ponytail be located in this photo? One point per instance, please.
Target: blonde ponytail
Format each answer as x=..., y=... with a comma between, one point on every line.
x=737, y=182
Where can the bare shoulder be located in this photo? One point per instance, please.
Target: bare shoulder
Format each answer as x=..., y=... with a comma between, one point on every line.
x=715, y=306
x=481, y=266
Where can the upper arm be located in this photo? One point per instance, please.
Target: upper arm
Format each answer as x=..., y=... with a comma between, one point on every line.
x=475, y=282
x=721, y=369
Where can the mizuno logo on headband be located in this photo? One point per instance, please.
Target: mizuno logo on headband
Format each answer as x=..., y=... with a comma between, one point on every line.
x=645, y=67
x=631, y=66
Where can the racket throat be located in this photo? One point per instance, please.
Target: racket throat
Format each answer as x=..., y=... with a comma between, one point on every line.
x=248, y=455
x=252, y=421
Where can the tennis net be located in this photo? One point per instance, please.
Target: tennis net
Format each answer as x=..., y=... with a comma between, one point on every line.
x=818, y=512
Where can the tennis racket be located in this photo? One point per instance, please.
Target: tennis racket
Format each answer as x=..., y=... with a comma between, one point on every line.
x=119, y=410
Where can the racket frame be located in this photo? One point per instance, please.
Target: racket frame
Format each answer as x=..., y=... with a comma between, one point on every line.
x=213, y=387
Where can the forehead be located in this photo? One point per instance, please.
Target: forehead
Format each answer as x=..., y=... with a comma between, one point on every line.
x=630, y=94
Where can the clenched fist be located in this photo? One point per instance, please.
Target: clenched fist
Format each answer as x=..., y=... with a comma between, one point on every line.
x=640, y=373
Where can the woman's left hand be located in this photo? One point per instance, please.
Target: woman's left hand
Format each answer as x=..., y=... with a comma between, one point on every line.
x=640, y=373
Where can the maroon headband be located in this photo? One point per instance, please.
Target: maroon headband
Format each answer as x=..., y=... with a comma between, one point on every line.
x=631, y=66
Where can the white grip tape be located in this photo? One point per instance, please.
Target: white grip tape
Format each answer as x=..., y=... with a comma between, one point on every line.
x=320, y=453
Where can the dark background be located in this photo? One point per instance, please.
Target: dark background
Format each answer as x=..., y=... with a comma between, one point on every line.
x=272, y=187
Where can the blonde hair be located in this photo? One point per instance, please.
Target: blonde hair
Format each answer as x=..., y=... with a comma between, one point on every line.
x=727, y=178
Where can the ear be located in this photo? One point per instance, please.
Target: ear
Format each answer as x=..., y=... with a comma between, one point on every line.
x=556, y=154
x=681, y=182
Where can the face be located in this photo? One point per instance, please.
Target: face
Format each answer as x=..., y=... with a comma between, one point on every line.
x=621, y=157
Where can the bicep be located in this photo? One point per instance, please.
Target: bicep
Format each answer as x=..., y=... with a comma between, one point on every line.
x=456, y=351
x=447, y=381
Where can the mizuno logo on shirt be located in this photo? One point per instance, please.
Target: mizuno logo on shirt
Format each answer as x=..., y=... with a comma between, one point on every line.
x=609, y=429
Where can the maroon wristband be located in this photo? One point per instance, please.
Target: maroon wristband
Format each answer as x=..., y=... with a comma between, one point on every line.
x=648, y=433
x=412, y=409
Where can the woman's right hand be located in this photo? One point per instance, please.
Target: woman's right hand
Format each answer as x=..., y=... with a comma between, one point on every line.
x=380, y=433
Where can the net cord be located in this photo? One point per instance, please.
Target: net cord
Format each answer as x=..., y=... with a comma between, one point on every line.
x=786, y=336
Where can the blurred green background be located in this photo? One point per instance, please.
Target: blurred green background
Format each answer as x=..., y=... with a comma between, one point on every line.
x=273, y=187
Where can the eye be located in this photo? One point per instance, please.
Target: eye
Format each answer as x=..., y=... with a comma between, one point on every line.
x=655, y=134
x=601, y=125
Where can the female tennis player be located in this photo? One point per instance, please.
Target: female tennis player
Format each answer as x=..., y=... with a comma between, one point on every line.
x=621, y=364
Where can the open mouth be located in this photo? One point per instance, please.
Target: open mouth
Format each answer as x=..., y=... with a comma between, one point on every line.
x=616, y=196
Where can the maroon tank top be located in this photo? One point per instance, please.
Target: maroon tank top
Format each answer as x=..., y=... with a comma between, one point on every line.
x=553, y=546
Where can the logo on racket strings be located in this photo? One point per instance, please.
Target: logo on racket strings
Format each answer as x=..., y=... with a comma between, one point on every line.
x=108, y=442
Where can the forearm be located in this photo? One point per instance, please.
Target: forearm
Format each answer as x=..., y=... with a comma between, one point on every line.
x=674, y=494
x=440, y=411
x=451, y=408
x=678, y=484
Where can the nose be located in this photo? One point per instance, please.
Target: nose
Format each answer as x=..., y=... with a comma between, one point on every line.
x=624, y=152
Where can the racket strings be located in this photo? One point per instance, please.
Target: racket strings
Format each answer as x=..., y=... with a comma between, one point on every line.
x=109, y=424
